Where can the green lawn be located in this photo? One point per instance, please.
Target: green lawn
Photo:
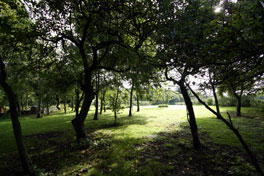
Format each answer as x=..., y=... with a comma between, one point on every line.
x=155, y=141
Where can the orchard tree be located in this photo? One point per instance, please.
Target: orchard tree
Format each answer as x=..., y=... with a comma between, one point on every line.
x=182, y=44
x=16, y=40
x=238, y=57
x=92, y=27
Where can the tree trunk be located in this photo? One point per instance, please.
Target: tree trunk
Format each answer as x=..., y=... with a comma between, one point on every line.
x=190, y=111
x=18, y=106
x=48, y=111
x=26, y=106
x=102, y=102
x=131, y=101
x=78, y=121
x=21, y=103
x=58, y=102
x=65, y=105
x=96, y=97
x=104, y=108
x=214, y=93
x=115, y=105
x=24, y=157
x=72, y=103
x=39, y=108
x=77, y=102
x=238, y=107
x=138, y=107
x=101, y=105
x=216, y=100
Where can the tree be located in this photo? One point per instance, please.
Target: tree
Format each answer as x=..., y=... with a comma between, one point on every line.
x=92, y=27
x=182, y=43
x=232, y=66
x=14, y=40
x=97, y=83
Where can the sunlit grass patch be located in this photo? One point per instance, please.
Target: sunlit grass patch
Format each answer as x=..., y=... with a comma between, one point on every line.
x=120, y=149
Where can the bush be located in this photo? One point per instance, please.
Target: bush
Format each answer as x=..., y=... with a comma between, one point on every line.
x=227, y=101
x=210, y=102
x=144, y=103
x=163, y=105
x=122, y=106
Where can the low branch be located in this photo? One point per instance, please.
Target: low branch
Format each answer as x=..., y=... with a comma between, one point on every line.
x=235, y=131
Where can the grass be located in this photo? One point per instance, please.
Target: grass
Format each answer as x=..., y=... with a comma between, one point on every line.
x=144, y=144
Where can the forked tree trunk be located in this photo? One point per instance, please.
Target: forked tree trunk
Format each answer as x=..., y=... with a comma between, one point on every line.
x=25, y=159
x=78, y=121
x=131, y=101
x=102, y=102
x=192, y=120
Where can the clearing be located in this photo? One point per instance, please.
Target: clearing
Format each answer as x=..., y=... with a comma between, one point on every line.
x=154, y=141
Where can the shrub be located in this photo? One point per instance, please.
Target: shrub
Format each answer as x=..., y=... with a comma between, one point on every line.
x=210, y=102
x=163, y=105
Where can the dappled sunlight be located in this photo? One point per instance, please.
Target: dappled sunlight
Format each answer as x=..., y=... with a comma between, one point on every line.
x=152, y=141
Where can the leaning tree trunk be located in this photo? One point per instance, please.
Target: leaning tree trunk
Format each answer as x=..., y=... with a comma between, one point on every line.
x=192, y=120
x=216, y=100
x=235, y=131
x=131, y=101
x=78, y=121
x=24, y=157
x=214, y=93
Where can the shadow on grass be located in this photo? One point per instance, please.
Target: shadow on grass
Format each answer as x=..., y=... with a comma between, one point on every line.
x=164, y=153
